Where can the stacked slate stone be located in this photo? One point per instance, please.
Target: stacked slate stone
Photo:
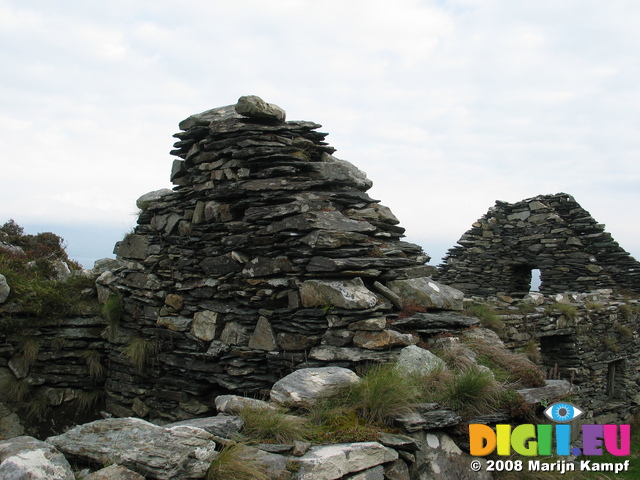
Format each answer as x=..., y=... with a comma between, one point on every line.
x=267, y=256
x=552, y=233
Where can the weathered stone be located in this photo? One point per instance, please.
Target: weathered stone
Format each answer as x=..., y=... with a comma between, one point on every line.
x=114, y=472
x=382, y=340
x=144, y=201
x=335, y=461
x=399, y=442
x=4, y=289
x=222, y=425
x=132, y=246
x=161, y=453
x=349, y=294
x=29, y=458
x=428, y=293
x=370, y=324
x=235, y=334
x=554, y=389
x=416, y=360
x=253, y=106
x=231, y=404
x=263, y=337
x=10, y=425
x=430, y=322
x=205, y=325
x=328, y=353
x=397, y=470
x=374, y=473
x=306, y=386
x=177, y=324
x=176, y=302
x=294, y=341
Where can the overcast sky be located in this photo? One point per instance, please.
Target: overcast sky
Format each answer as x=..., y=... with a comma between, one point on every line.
x=447, y=105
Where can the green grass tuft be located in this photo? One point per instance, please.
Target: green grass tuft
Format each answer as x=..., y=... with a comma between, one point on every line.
x=97, y=371
x=113, y=310
x=234, y=463
x=139, y=352
x=272, y=426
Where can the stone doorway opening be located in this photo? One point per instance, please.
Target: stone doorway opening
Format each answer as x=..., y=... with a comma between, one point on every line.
x=524, y=279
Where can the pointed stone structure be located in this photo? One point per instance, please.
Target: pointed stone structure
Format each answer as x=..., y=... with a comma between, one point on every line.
x=549, y=233
x=267, y=256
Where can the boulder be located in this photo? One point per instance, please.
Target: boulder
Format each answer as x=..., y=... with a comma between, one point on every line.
x=222, y=425
x=426, y=292
x=231, y=404
x=4, y=289
x=114, y=472
x=29, y=458
x=348, y=294
x=416, y=360
x=330, y=462
x=157, y=452
x=253, y=106
x=553, y=390
x=306, y=386
x=145, y=200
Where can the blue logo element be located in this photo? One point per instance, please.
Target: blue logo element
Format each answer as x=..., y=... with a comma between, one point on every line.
x=562, y=412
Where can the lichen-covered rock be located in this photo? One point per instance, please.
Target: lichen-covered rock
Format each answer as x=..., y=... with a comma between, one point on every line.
x=254, y=107
x=416, y=360
x=306, y=386
x=5, y=290
x=349, y=294
x=331, y=462
x=428, y=293
x=160, y=453
x=28, y=458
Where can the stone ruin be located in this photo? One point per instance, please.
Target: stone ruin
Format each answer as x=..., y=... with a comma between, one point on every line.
x=549, y=233
x=266, y=257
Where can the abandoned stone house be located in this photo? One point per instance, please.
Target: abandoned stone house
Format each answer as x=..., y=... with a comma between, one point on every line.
x=551, y=234
x=588, y=331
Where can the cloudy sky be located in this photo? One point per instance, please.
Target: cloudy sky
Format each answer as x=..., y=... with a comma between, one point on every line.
x=447, y=105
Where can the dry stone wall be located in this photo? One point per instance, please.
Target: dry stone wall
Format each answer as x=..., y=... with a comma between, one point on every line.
x=267, y=256
x=549, y=233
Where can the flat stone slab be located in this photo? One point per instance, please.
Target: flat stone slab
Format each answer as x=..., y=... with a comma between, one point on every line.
x=306, y=386
x=156, y=452
x=331, y=462
x=29, y=458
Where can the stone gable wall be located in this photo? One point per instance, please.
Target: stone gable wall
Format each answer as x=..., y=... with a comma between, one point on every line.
x=551, y=233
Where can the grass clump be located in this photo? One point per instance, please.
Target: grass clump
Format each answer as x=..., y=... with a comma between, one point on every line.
x=87, y=401
x=14, y=390
x=97, y=371
x=113, y=310
x=234, y=463
x=487, y=315
x=566, y=309
x=272, y=426
x=470, y=392
x=139, y=352
x=382, y=393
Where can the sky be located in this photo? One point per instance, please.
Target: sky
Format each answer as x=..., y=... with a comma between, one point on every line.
x=447, y=106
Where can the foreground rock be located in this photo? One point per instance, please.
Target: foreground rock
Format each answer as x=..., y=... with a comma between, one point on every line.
x=161, y=453
x=306, y=386
x=31, y=459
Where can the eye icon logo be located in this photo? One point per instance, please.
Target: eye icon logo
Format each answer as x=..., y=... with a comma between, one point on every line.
x=562, y=412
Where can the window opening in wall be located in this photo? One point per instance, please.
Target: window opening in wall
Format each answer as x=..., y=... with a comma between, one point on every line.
x=615, y=379
x=536, y=280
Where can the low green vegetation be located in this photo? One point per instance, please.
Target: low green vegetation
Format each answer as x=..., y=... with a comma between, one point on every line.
x=32, y=271
x=139, y=351
x=112, y=310
x=566, y=309
x=272, y=426
x=488, y=316
x=234, y=463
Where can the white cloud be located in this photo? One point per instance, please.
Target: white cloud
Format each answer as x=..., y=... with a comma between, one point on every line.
x=447, y=105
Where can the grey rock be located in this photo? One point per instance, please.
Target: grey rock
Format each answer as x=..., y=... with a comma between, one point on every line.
x=397, y=470
x=114, y=472
x=28, y=458
x=382, y=340
x=328, y=353
x=222, y=425
x=553, y=389
x=231, y=404
x=4, y=289
x=132, y=246
x=263, y=337
x=10, y=425
x=144, y=201
x=349, y=294
x=253, y=106
x=430, y=322
x=306, y=386
x=374, y=473
x=416, y=360
x=205, y=118
x=332, y=462
x=160, y=453
x=205, y=325
x=428, y=293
